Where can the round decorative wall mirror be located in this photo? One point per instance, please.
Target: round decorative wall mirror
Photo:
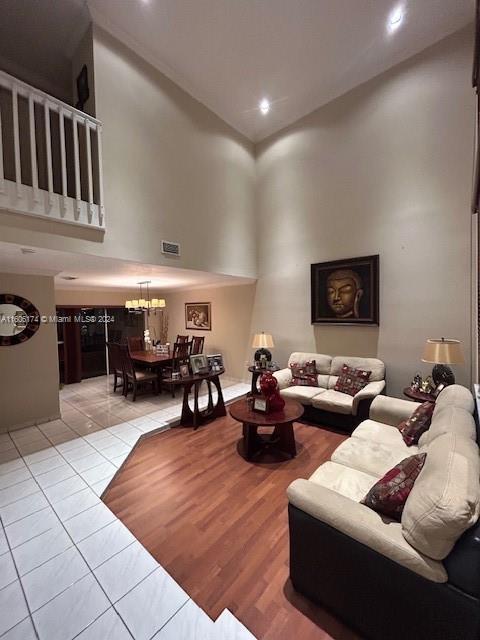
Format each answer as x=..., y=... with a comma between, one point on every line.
x=19, y=319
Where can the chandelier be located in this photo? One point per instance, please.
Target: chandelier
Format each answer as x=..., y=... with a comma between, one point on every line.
x=144, y=302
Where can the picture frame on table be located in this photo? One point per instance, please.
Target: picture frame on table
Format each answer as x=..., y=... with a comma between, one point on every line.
x=184, y=371
x=259, y=403
x=199, y=364
x=215, y=362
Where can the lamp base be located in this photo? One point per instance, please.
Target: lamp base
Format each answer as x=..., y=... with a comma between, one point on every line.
x=442, y=374
x=262, y=352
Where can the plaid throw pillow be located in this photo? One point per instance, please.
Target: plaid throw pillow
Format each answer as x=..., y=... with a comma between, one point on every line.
x=389, y=494
x=352, y=380
x=418, y=423
x=304, y=375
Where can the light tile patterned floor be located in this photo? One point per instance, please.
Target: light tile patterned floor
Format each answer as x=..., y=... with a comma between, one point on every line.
x=68, y=567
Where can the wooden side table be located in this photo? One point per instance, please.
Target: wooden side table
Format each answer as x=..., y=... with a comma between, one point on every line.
x=418, y=396
x=198, y=416
x=256, y=373
x=282, y=439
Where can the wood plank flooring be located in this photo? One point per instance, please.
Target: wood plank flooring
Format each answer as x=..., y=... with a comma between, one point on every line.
x=218, y=524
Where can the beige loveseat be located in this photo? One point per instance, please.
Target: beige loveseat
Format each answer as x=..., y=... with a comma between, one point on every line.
x=384, y=572
x=323, y=403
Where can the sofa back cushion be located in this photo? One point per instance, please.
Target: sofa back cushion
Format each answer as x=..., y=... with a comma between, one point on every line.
x=457, y=396
x=323, y=362
x=445, y=499
x=450, y=419
x=377, y=367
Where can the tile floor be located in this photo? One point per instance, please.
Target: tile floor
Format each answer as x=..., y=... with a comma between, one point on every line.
x=68, y=567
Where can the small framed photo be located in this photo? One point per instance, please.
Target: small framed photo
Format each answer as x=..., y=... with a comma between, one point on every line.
x=436, y=392
x=184, y=371
x=199, y=363
x=260, y=404
x=215, y=362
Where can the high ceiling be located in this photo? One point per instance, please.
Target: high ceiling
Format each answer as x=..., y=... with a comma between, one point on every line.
x=300, y=54
x=105, y=273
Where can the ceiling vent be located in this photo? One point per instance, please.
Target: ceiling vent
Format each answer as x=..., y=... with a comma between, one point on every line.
x=170, y=248
x=69, y=277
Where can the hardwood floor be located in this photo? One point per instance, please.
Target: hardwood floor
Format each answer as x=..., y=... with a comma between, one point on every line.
x=218, y=524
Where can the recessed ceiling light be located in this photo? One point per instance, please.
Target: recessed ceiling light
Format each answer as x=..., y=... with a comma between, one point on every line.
x=24, y=250
x=395, y=18
x=264, y=106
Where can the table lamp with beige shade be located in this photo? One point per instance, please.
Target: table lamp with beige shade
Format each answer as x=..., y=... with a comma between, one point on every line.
x=262, y=342
x=443, y=352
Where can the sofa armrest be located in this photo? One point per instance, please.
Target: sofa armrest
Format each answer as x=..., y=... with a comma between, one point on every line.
x=370, y=391
x=391, y=411
x=284, y=377
x=363, y=525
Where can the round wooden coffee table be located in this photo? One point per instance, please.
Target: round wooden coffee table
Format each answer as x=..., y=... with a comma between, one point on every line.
x=281, y=440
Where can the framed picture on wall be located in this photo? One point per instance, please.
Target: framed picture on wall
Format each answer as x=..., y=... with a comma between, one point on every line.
x=345, y=291
x=198, y=315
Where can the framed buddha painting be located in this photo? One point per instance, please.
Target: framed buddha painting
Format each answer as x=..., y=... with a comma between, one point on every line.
x=345, y=291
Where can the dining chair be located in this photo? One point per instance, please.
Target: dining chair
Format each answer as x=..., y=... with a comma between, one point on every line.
x=135, y=343
x=134, y=378
x=197, y=345
x=181, y=338
x=180, y=355
x=115, y=364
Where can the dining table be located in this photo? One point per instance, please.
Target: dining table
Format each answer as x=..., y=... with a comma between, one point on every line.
x=150, y=358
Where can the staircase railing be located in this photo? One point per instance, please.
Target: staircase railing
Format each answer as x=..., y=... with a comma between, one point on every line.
x=50, y=157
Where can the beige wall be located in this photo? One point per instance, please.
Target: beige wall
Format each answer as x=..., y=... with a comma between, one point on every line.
x=29, y=371
x=384, y=169
x=91, y=298
x=231, y=315
x=172, y=170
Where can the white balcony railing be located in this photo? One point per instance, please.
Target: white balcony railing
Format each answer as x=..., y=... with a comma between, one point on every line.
x=50, y=157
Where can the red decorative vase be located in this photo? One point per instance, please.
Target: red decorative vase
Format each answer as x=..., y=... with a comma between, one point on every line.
x=269, y=388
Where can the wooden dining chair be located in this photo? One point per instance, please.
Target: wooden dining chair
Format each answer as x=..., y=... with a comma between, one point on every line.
x=135, y=343
x=180, y=355
x=181, y=338
x=197, y=345
x=133, y=378
x=115, y=364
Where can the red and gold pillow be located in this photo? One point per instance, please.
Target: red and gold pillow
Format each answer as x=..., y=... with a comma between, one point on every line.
x=389, y=494
x=304, y=375
x=418, y=423
x=352, y=380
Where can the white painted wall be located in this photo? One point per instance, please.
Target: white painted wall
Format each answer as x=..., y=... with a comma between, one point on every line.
x=29, y=371
x=384, y=169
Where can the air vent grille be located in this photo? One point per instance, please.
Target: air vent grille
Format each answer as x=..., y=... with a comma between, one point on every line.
x=170, y=248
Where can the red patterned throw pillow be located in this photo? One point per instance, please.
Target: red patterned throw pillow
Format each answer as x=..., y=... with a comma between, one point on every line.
x=304, y=375
x=352, y=380
x=418, y=423
x=389, y=494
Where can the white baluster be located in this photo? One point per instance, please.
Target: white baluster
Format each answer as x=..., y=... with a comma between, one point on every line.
x=63, y=161
x=89, y=171
x=2, y=176
x=48, y=147
x=16, y=143
x=33, y=147
x=101, y=207
x=76, y=159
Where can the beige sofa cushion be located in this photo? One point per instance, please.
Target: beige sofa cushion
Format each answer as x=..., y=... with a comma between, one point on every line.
x=457, y=396
x=350, y=483
x=370, y=457
x=302, y=394
x=335, y=401
x=379, y=433
x=377, y=367
x=450, y=419
x=323, y=362
x=391, y=410
x=363, y=525
x=445, y=499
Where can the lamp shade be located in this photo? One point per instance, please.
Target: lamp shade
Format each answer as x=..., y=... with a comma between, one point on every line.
x=262, y=341
x=443, y=351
